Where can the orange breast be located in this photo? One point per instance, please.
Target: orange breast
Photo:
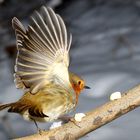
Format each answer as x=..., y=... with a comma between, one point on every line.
x=77, y=91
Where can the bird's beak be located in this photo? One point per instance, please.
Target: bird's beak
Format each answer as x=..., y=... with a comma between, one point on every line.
x=87, y=87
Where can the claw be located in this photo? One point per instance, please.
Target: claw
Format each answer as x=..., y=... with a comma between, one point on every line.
x=75, y=122
x=67, y=119
x=40, y=131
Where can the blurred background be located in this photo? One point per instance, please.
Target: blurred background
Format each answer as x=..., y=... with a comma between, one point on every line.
x=105, y=52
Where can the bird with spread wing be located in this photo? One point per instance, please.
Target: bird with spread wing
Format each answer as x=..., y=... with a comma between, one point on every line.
x=41, y=68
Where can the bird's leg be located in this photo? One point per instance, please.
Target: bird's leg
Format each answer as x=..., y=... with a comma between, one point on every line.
x=38, y=129
x=66, y=119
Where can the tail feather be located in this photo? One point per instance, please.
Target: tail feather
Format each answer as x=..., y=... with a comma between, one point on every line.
x=4, y=106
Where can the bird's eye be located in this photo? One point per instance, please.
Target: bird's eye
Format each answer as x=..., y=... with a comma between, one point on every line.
x=79, y=82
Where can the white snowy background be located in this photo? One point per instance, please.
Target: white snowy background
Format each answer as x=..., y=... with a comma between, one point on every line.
x=105, y=52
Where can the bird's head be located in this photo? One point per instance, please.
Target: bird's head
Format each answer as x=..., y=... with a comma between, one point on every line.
x=78, y=83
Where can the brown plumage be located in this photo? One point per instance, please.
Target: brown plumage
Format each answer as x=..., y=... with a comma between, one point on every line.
x=46, y=105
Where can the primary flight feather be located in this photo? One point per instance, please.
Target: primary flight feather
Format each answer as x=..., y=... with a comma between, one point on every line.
x=43, y=51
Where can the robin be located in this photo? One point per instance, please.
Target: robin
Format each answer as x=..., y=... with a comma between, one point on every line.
x=41, y=69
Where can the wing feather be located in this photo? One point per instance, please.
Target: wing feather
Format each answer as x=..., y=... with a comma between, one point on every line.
x=43, y=51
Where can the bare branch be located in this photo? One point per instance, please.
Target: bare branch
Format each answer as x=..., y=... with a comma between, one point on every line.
x=93, y=119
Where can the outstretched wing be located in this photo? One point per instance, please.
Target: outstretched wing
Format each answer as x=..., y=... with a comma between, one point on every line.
x=43, y=51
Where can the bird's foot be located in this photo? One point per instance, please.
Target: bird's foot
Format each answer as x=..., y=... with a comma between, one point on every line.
x=40, y=131
x=75, y=122
x=67, y=119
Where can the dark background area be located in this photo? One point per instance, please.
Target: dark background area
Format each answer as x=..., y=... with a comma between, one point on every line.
x=105, y=52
